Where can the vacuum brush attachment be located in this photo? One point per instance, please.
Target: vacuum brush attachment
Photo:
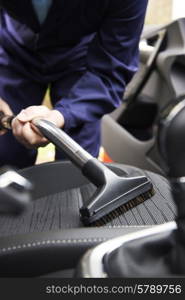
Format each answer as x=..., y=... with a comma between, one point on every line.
x=114, y=195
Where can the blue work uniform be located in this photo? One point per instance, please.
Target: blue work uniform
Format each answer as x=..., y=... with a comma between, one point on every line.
x=85, y=51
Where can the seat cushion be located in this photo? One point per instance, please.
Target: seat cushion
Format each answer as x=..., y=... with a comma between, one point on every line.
x=50, y=235
x=60, y=209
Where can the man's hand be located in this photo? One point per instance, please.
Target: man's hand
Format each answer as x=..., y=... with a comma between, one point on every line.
x=26, y=133
x=4, y=107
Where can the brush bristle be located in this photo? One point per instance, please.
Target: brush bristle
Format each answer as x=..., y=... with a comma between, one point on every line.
x=123, y=208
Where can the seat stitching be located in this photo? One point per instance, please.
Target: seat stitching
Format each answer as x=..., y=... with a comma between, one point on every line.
x=57, y=242
x=51, y=242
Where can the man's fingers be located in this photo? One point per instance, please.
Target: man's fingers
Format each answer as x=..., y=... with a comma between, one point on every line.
x=4, y=107
x=42, y=112
x=7, y=110
x=26, y=132
x=26, y=135
x=28, y=114
x=31, y=137
x=17, y=127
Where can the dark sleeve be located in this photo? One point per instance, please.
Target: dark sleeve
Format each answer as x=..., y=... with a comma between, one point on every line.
x=112, y=60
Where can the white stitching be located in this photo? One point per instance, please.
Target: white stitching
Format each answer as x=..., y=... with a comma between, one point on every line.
x=54, y=242
x=68, y=241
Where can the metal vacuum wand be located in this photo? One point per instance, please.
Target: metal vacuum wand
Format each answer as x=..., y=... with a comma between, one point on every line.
x=75, y=152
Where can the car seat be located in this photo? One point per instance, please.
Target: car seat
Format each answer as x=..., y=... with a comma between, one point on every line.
x=49, y=237
x=158, y=251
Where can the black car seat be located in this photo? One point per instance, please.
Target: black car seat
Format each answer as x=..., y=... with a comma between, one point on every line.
x=49, y=236
x=158, y=251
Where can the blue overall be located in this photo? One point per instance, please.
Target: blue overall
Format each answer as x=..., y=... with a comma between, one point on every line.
x=85, y=51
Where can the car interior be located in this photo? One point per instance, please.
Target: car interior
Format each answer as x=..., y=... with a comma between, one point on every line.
x=42, y=232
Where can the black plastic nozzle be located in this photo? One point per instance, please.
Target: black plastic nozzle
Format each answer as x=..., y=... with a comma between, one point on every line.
x=113, y=191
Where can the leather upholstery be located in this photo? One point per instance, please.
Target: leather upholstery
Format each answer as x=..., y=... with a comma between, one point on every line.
x=41, y=241
x=40, y=253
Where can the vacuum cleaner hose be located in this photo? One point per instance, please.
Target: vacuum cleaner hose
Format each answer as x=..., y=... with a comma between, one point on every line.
x=75, y=152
